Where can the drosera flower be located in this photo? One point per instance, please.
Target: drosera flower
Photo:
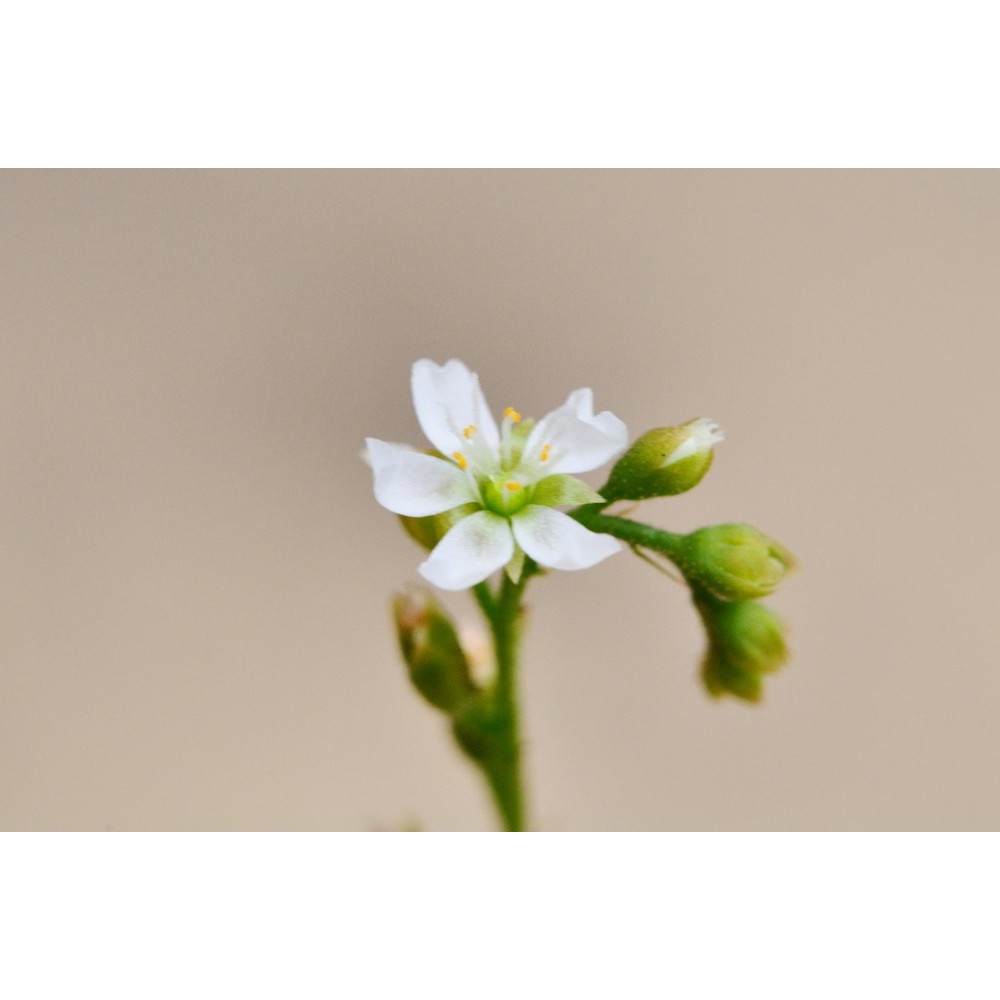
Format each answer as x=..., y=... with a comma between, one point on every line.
x=508, y=480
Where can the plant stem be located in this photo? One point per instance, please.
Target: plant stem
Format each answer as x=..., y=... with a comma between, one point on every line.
x=504, y=771
x=503, y=611
x=485, y=600
x=633, y=532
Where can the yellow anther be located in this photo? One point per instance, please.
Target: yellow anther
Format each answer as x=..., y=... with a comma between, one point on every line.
x=460, y=458
x=469, y=431
x=546, y=449
x=512, y=414
x=512, y=485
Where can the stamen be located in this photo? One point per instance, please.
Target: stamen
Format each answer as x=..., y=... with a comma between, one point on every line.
x=512, y=485
x=460, y=458
x=469, y=431
x=512, y=414
x=546, y=450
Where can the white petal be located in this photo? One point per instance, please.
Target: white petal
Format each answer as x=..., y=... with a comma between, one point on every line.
x=412, y=483
x=554, y=539
x=477, y=546
x=579, y=440
x=448, y=400
x=702, y=435
x=366, y=457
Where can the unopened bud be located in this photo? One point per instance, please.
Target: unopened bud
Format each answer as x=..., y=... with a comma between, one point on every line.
x=479, y=729
x=746, y=640
x=431, y=650
x=664, y=462
x=734, y=561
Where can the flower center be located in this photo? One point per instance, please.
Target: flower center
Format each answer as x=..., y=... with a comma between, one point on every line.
x=505, y=495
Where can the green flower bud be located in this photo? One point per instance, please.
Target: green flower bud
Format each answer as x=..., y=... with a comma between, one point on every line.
x=664, y=462
x=745, y=641
x=734, y=561
x=721, y=677
x=434, y=657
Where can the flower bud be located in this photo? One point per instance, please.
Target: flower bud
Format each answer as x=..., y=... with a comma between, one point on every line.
x=664, y=462
x=720, y=676
x=479, y=729
x=745, y=641
x=734, y=561
x=431, y=650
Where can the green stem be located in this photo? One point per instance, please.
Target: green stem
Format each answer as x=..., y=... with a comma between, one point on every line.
x=632, y=532
x=504, y=769
x=485, y=600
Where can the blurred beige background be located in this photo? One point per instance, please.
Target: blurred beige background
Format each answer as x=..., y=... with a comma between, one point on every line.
x=195, y=576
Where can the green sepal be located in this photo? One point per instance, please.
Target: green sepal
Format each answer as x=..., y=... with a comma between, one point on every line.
x=421, y=529
x=561, y=489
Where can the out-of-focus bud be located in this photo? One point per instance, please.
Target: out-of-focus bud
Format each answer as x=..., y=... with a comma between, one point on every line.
x=721, y=677
x=664, y=462
x=431, y=650
x=428, y=531
x=479, y=730
x=745, y=641
x=734, y=561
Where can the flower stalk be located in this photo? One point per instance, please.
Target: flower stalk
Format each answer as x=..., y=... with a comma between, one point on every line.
x=506, y=777
x=488, y=728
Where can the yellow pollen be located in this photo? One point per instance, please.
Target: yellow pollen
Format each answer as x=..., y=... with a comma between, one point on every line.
x=460, y=458
x=469, y=431
x=512, y=413
x=512, y=486
x=546, y=449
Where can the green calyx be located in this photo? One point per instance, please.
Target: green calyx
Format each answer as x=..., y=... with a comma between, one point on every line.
x=734, y=561
x=662, y=462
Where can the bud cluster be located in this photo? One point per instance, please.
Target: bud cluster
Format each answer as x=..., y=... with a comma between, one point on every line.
x=727, y=566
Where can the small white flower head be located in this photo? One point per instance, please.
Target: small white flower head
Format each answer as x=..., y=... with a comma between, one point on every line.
x=515, y=475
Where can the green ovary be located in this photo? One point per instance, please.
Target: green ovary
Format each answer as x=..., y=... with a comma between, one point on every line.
x=505, y=496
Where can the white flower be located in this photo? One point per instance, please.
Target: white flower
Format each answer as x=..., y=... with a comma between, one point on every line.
x=516, y=475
